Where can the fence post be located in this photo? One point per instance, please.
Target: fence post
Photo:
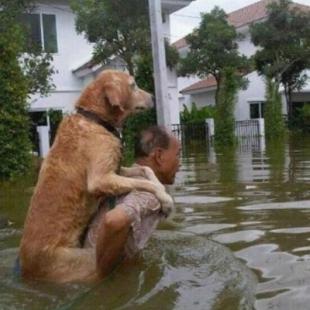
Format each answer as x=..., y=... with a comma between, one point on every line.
x=261, y=127
x=210, y=124
x=44, y=140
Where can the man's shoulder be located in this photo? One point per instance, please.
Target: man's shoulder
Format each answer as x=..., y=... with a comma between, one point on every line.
x=141, y=199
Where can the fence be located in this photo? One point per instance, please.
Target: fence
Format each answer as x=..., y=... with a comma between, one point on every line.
x=249, y=128
x=190, y=131
x=244, y=129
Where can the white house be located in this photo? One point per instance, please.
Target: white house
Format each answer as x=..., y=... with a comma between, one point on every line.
x=249, y=102
x=53, y=26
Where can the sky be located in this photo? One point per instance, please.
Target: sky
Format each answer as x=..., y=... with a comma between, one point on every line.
x=185, y=20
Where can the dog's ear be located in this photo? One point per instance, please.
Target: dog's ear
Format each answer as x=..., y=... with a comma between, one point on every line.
x=114, y=96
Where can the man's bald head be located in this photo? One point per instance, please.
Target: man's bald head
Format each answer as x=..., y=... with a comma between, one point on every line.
x=150, y=139
x=158, y=149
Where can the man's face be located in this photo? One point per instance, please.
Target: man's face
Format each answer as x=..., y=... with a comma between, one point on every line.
x=170, y=162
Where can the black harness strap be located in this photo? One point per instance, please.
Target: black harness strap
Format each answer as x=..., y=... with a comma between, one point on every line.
x=95, y=118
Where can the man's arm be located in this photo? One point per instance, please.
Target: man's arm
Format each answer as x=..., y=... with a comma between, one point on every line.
x=112, y=236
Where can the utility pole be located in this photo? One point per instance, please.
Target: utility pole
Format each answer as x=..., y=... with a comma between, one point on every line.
x=159, y=64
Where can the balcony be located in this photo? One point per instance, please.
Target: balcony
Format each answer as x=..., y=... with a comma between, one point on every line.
x=170, y=6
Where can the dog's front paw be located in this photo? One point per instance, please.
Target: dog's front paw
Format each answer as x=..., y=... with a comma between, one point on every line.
x=167, y=204
x=150, y=175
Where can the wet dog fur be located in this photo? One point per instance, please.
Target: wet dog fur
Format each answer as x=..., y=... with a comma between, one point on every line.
x=79, y=168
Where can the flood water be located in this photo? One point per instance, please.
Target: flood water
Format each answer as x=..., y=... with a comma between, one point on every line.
x=240, y=238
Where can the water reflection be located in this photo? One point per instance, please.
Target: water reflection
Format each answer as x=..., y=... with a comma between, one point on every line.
x=266, y=219
x=181, y=272
x=253, y=201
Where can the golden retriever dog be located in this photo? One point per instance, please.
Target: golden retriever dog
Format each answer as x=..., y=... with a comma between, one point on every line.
x=80, y=167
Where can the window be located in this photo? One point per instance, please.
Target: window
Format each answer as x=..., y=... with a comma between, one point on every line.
x=257, y=109
x=41, y=31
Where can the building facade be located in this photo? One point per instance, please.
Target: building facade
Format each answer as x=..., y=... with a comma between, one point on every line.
x=249, y=102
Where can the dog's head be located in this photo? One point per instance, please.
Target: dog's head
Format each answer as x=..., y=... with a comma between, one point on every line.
x=113, y=96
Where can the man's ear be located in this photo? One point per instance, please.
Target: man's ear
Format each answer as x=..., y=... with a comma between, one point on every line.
x=113, y=95
x=158, y=156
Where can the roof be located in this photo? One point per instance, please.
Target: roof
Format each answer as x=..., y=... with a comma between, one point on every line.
x=255, y=12
x=245, y=16
x=180, y=43
x=203, y=84
x=93, y=66
x=87, y=65
x=248, y=14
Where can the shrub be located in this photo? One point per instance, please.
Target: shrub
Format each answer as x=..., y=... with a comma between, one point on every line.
x=303, y=120
x=134, y=125
x=15, y=146
x=20, y=76
x=195, y=115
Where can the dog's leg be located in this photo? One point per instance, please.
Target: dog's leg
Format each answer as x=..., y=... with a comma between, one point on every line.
x=114, y=185
x=73, y=265
x=142, y=171
x=137, y=171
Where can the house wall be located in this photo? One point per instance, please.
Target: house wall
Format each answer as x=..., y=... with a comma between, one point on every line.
x=73, y=51
x=204, y=99
x=183, y=82
x=254, y=92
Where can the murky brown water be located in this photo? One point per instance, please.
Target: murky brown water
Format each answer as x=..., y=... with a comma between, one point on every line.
x=240, y=239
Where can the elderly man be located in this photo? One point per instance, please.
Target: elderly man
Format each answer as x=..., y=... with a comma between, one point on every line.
x=124, y=230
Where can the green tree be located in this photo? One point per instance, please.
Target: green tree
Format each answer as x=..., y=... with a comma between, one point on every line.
x=213, y=51
x=212, y=48
x=144, y=67
x=118, y=28
x=274, y=122
x=304, y=117
x=20, y=75
x=284, y=41
x=224, y=116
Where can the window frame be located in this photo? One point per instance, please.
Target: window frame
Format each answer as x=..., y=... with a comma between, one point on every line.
x=41, y=25
x=260, y=104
